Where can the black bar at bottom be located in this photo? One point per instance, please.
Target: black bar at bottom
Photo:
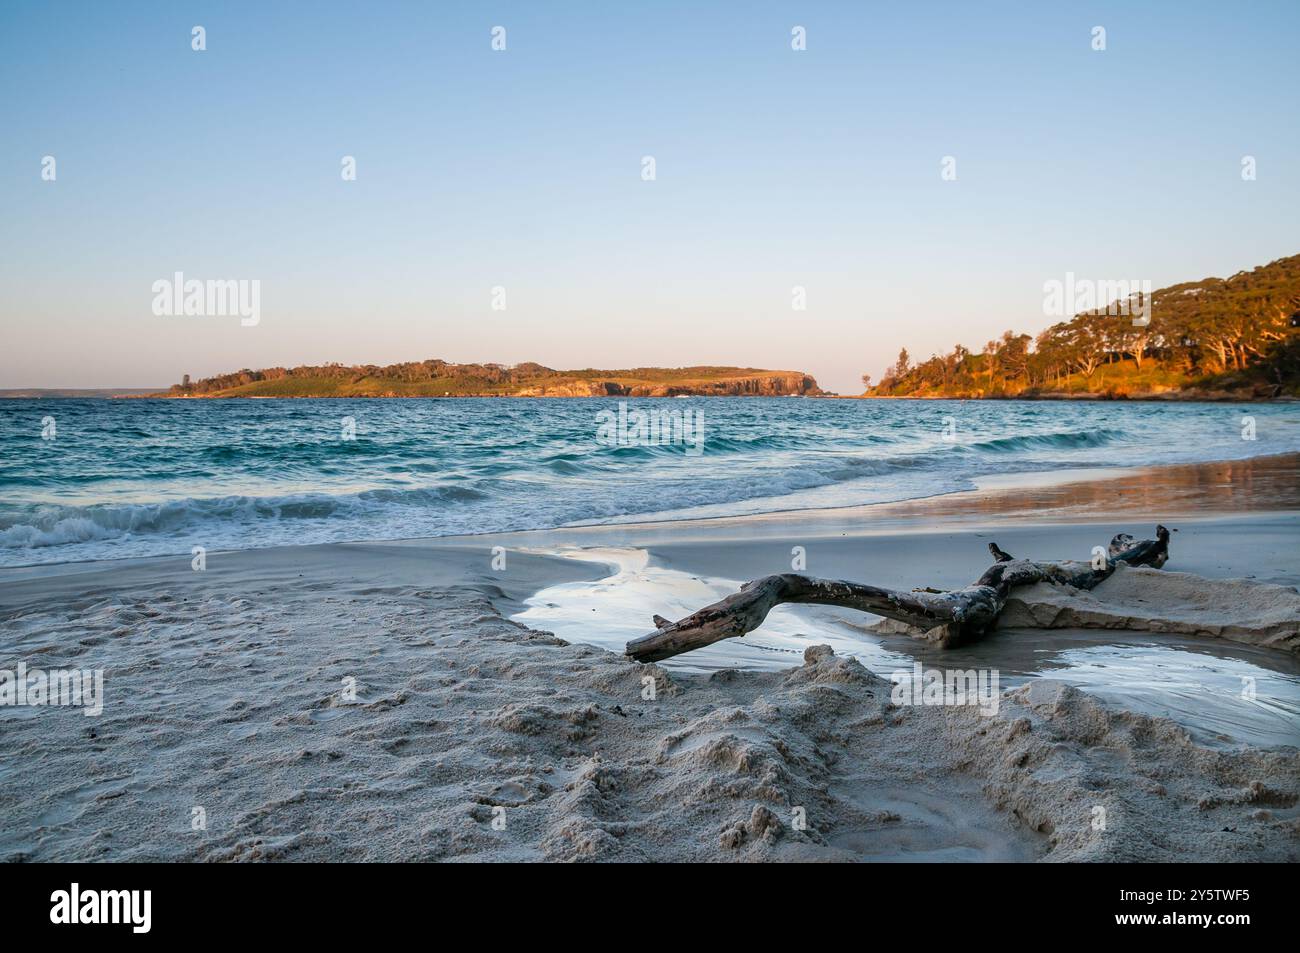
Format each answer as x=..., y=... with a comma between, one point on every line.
x=335, y=902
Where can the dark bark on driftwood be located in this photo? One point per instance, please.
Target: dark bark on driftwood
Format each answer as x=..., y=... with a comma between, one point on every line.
x=948, y=617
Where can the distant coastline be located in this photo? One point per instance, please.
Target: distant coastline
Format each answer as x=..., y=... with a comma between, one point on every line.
x=47, y=393
x=143, y=393
x=436, y=378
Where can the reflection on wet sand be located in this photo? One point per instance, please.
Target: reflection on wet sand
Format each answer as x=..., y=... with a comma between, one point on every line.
x=1221, y=692
x=1233, y=486
x=1196, y=682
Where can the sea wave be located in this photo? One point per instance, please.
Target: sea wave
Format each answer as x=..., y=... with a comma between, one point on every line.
x=156, y=477
x=52, y=525
x=1062, y=440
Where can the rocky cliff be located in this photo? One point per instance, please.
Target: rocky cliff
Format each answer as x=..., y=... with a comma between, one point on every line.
x=769, y=385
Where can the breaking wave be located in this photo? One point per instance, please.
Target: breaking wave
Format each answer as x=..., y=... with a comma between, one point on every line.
x=148, y=477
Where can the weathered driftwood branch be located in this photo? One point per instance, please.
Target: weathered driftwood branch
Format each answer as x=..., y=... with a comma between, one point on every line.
x=947, y=617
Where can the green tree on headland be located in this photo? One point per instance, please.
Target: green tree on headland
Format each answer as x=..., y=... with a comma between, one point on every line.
x=1238, y=336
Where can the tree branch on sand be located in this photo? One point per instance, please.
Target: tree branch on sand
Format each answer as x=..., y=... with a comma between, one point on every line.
x=949, y=618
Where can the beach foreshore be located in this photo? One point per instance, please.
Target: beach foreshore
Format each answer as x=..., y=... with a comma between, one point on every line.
x=378, y=701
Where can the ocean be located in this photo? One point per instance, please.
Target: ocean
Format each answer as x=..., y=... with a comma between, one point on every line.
x=88, y=479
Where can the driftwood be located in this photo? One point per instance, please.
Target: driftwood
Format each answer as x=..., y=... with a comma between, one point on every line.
x=949, y=618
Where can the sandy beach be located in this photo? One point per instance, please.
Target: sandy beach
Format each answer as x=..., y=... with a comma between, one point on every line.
x=407, y=700
x=446, y=433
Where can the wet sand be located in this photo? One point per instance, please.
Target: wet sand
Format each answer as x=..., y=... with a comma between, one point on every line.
x=1234, y=520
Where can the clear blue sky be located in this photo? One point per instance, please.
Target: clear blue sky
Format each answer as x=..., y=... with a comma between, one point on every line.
x=522, y=169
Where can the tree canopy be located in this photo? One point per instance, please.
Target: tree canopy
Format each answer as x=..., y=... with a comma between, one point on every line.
x=1232, y=333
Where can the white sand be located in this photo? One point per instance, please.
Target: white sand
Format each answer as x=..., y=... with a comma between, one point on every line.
x=224, y=690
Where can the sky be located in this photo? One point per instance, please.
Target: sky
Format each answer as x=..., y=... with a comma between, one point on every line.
x=522, y=169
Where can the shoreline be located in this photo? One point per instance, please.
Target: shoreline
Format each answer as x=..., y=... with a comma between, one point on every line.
x=1198, y=487
x=1202, y=487
x=1206, y=397
x=228, y=689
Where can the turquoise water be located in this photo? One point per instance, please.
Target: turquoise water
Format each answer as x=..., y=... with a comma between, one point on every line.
x=150, y=477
